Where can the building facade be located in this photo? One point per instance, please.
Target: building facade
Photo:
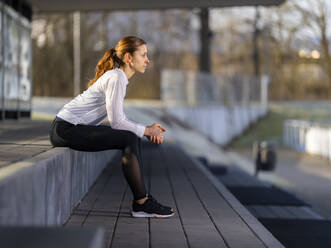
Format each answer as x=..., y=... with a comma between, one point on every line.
x=15, y=60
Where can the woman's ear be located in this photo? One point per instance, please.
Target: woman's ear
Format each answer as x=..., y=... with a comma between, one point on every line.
x=127, y=58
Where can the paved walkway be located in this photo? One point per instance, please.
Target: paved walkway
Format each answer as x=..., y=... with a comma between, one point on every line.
x=203, y=218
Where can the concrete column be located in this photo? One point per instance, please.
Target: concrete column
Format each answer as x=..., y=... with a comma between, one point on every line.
x=77, y=55
x=264, y=81
x=256, y=33
x=19, y=26
x=205, y=36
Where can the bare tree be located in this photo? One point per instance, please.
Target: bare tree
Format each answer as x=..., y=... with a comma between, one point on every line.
x=315, y=16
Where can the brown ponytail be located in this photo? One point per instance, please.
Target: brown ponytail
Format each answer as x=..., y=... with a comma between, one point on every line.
x=113, y=58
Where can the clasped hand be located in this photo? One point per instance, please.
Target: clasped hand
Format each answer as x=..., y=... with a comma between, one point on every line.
x=155, y=133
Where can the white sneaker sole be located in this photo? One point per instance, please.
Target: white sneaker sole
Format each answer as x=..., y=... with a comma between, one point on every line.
x=146, y=215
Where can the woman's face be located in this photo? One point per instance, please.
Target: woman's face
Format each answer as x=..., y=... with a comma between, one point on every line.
x=139, y=60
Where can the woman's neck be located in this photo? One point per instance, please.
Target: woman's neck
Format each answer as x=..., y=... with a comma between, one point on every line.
x=128, y=71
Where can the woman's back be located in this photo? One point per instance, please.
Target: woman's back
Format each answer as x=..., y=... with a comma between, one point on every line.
x=89, y=108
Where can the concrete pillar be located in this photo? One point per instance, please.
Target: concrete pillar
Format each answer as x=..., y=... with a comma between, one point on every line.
x=77, y=55
x=205, y=35
x=19, y=63
x=256, y=33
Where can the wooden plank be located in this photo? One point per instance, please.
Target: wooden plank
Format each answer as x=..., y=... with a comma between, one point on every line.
x=76, y=220
x=229, y=179
x=130, y=232
x=257, y=228
x=248, y=180
x=81, y=211
x=312, y=213
x=105, y=210
x=252, y=210
x=301, y=213
x=199, y=228
x=234, y=230
x=235, y=177
x=282, y=212
x=168, y=232
x=264, y=212
x=95, y=191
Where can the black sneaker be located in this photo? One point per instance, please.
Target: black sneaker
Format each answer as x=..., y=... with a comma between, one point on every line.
x=151, y=208
x=154, y=200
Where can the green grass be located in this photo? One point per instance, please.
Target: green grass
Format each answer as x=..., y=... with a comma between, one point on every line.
x=270, y=127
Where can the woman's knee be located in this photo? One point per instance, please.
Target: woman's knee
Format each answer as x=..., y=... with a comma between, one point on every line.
x=131, y=143
x=131, y=138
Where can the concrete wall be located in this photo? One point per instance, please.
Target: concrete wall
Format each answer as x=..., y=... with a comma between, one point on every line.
x=219, y=123
x=43, y=190
x=307, y=136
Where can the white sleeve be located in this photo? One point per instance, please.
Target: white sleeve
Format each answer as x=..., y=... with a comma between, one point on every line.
x=115, y=93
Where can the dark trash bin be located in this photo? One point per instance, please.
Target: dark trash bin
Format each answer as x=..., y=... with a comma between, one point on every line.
x=265, y=156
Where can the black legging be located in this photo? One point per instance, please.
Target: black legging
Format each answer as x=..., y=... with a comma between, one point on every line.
x=100, y=138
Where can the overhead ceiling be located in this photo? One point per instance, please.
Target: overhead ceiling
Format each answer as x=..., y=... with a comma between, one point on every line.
x=91, y=5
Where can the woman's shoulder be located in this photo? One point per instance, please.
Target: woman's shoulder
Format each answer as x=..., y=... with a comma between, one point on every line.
x=112, y=77
x=110, y=73
x=114, y=74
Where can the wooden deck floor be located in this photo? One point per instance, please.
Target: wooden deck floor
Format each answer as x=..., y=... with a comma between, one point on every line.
x=203, y=218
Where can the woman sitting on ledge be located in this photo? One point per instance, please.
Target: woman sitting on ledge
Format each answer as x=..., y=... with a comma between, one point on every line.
x=77, y=125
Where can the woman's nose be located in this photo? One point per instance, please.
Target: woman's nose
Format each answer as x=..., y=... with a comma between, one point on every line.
x=147, y=61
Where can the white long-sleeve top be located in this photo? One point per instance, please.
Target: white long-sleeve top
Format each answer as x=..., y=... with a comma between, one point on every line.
x=101, y=100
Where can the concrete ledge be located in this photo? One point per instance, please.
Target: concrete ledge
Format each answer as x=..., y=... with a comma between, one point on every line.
x=51, y=237
x=42, y=191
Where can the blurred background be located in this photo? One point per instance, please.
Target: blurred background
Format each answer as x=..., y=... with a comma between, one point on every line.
x=292, y=46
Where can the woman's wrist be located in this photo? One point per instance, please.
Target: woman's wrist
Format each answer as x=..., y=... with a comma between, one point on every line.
x=147, y=131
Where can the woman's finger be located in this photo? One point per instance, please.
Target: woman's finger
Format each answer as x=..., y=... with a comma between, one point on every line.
x=162, y=129
x=160, y=139
x=160, y=126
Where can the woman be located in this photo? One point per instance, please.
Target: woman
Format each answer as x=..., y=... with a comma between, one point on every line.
x=77, y=123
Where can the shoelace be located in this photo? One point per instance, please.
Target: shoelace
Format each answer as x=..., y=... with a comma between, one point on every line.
x=152, y=199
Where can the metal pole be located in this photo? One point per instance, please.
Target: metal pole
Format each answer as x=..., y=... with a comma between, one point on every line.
x=77, y=55
x=205, y=36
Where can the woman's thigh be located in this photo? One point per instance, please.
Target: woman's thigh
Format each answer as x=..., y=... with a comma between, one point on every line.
x=98, y=138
